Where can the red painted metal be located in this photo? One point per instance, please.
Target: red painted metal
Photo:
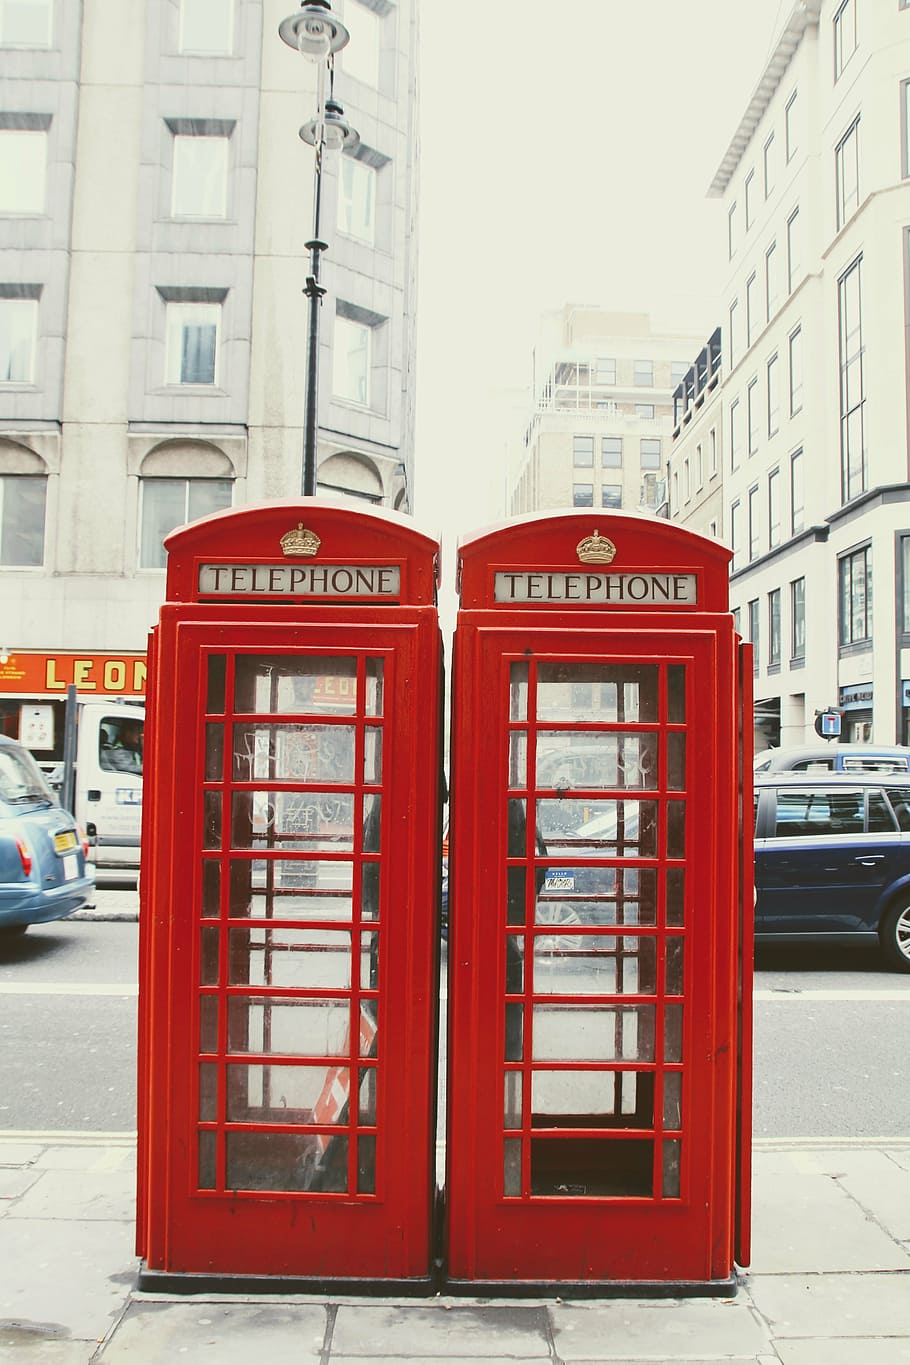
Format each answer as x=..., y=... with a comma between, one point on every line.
x=586, y=1144
x=288, y=903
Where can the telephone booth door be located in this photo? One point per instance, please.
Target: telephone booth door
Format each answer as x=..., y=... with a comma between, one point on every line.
x=291, y=940
x=595, y=930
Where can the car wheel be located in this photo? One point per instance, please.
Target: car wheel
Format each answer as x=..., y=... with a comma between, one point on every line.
x=895, y=936
x=556, y=914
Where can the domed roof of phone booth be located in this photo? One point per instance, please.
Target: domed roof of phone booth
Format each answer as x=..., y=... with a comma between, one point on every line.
x=550, y=542
x=348, y=535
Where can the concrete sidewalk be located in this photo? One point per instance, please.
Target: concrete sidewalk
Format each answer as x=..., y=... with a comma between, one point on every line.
x=830, y=1282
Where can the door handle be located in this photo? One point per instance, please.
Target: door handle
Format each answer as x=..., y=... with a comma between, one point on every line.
x=870, y=859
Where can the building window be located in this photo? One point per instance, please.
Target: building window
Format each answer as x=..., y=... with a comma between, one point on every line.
x=25, y=23
x=699, y=467
x=582, y=495
x=734, y=333
x=735, y=534
x=754, y=527
x=604, y=370
x=18, y=338
x=774, y=628
x=200, y=176
x=645, y=411
x=611, y=452
x=855, y=597
x=192, y=349
x=23, y=499
x=773, y=397
x=351, y=361
x=791, y=137
x=773, y=508
x=643, y=373
x=649, y=452
x=752, y=322
x=844, y=36
x=737, y=612
x=357, y=199
x=798, y=619
x=797, y=497
x=905, y=127
x=846, y=173
x=770, y=162
x=675, y=503
x=772, y=286
x=750, y=199
x=207, y=27
x=731, y=230
x=905, y=584
x=687, y=481
x=753, y=631
x=712, y=442
x=752, y=415
x=796, y=371
x=611, y=495
x=794, y=251
x=736, y=435
x=360, y=58
x=169, y=503
x=583, y=452
x=852, y=382
x=23, y=184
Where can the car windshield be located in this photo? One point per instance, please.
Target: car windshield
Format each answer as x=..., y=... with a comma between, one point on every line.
x=20, y=778
x=120, y=744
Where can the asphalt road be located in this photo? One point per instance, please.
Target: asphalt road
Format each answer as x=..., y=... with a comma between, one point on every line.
x=830, y=1035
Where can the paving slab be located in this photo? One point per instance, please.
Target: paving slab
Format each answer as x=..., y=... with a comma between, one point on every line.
x=95, y=1159
x=25, y=1346
x=14, y=1182
x=671, y=1329
x=418, y=1332
x=75, y=1276
x=856, y=1351
x=795, y=1206
x=878, y=1184
x=56, y=1195
x=155, y=1333
x=18, y=1153
x=841, y=1306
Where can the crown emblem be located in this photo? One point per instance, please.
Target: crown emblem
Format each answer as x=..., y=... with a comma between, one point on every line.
x=596, y=549
x=300, y=541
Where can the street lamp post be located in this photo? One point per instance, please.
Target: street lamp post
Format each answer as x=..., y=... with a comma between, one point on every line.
x=317, y=35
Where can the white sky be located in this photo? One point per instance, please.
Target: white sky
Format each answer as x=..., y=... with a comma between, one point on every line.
x=566, y=151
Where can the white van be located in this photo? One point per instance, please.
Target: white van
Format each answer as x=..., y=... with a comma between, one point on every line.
x=108, y=790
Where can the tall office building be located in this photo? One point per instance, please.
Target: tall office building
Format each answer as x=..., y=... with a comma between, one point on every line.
x=155, y=199
x=601, y=411
x=812, y=411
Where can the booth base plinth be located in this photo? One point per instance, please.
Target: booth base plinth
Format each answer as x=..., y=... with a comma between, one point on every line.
x=194, y=1282
x=169, y=1282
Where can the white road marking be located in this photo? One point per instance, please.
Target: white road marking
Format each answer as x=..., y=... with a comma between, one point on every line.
x=823, y=996
x=66, y=988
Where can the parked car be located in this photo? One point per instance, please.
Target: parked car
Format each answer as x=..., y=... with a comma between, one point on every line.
x=43, y=870
x=841, y=758
x=832, y=859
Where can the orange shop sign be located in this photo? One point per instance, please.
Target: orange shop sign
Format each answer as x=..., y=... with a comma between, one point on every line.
x=100, y=675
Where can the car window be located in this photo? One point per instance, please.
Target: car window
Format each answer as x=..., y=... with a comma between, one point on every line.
x=817, y=811
x=900, y=804
x=874, y=765
x=21, y=778
x=813, y=765
x=879, y=819
x=120, y=744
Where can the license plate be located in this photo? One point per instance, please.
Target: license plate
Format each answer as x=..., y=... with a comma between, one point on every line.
x=65, y=841
x=70, y=867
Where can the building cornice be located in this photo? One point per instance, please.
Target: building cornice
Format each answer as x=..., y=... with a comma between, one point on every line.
x=805, y=14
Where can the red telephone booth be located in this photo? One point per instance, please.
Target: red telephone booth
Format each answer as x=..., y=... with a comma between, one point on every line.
x=600, y=911
x=289, y=903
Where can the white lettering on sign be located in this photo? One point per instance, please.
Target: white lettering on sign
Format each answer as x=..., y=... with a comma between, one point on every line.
x=299, y=580
x=598, y=589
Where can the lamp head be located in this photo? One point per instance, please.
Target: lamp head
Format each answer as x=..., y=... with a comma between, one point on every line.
x=337, y=133
x=313, y=30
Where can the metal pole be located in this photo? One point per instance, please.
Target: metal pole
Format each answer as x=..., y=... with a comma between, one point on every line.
x=70, y=721
x=314, y=292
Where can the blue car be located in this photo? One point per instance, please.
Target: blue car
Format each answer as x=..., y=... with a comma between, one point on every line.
x=43, y=870
x=832, y=860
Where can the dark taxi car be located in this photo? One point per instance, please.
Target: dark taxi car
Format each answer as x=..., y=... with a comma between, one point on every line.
x=832, y=859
